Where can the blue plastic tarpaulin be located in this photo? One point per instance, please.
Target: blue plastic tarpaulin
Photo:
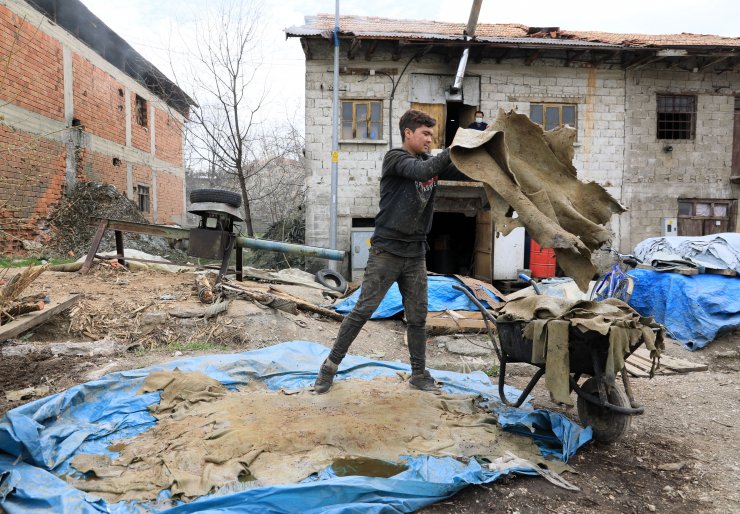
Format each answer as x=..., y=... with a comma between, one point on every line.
x=694, y=308
x=39, y=439
x=439, y=290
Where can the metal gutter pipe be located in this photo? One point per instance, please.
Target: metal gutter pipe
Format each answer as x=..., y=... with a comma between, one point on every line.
x=334, y=142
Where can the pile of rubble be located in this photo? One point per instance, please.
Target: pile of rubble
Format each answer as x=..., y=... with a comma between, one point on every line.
x=73, y=223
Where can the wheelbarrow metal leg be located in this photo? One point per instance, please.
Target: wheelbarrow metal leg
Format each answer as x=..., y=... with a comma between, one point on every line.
x=525, y=393
x=628, y=388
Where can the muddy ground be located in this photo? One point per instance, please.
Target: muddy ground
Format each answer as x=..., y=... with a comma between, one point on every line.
x=682, y=455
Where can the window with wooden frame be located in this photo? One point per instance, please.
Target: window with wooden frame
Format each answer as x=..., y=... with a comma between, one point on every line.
x=362, y=120
x=143, y=193
x=703, y=217
x=676, y=116
x=553, y=115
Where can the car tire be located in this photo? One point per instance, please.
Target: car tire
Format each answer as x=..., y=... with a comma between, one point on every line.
x=216, y=196
x=331, y=279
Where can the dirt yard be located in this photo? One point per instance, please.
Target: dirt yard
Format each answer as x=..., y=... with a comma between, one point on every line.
x=682, y=455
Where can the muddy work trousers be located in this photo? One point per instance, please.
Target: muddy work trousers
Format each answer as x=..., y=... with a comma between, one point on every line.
x=382, y=270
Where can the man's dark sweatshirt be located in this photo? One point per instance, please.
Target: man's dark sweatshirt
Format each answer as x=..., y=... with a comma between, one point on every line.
x=407, y=187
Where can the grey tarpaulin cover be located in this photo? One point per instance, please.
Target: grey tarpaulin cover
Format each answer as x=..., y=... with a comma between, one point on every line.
x=531, y=172
x=717, y=251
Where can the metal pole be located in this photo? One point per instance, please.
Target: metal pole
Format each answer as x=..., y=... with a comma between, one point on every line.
x=334, y=142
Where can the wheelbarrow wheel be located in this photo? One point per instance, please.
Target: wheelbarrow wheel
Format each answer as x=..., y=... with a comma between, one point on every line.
x=607, y=425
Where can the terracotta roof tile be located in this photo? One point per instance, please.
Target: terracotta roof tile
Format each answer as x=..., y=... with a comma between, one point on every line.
x=369, y=26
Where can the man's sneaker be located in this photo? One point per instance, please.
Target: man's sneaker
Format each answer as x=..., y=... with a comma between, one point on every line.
x=326, y=377
x=424, y=381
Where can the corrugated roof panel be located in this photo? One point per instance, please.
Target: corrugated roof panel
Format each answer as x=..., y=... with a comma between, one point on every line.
x=370, y=26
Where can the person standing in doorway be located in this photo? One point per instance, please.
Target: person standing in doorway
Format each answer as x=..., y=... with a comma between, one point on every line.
x=478, y=124
x=398, y=246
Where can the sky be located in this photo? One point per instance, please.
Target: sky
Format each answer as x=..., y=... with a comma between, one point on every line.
x=159, y=30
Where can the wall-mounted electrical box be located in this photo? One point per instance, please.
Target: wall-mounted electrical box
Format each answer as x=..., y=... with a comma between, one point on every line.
x=670, y=227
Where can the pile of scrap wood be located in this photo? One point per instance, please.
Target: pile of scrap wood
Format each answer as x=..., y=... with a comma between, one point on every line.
x=212, y=291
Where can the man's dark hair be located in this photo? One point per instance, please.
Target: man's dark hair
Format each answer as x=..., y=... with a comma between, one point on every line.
x=412, y=119
x=479, y=112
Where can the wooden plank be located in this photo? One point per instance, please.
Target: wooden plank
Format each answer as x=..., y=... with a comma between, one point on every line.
x=28, y=321
x=684, y=271
x=99, y=233
x=639, y=363
x=462, y=321
x=724, y=272
x=456, y=324
x=673, y=363
x=635, y=371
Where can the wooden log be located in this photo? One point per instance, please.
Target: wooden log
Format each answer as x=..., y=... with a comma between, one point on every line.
x=205, y=289
x=306, y=306
x=266, y=297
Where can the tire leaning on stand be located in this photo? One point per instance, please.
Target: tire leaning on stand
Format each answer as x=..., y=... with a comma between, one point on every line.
x=216, y=196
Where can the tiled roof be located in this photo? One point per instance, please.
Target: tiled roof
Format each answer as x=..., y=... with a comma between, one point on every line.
x=369, y=26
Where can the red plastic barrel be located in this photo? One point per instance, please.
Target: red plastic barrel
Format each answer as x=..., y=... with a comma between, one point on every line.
x=541, y=261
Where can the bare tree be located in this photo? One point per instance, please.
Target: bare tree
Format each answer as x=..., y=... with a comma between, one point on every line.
x=226, y=133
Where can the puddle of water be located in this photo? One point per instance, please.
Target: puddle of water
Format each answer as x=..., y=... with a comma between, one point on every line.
x=365, y=467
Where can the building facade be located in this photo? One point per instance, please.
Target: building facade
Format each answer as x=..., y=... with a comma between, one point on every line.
x=77, y=103
x=657, y=120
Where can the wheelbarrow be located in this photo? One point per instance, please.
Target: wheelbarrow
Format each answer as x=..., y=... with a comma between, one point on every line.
x=607, y=409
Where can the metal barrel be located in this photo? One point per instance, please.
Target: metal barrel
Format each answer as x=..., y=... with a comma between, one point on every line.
x=277, y=246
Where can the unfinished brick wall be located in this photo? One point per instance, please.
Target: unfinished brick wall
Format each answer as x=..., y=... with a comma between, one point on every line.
x=99, y=167
x=32, y=178
x=140, y=137
x=31, y=67
x=99, y=101
x=168, y=138
x=169, y=198
x=59, y=95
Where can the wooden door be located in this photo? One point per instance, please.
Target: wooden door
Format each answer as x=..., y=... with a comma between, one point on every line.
x=483, y=251
x=439, y=113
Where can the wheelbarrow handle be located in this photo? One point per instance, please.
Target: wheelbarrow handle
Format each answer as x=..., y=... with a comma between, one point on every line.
x=487, y=317
x=530, y=281
x=477, y=303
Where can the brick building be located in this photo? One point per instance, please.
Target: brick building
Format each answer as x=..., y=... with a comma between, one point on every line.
x=657, y=119
x=77, y=103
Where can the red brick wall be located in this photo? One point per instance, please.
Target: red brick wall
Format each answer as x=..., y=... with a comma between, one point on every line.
x=32, y=176
x=34, y=77
x=168, y=138
x=143, y=175
x=140, y=137
x=99, y=101
x=169, y=198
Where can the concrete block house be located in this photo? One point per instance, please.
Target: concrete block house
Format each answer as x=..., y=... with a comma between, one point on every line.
x=77, y=103
x=657, y=119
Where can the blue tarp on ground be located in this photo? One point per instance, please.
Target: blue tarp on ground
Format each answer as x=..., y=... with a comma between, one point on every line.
x=49, y=432
x=439, y=290
x=694, y=308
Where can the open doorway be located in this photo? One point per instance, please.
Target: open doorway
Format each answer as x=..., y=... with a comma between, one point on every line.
x=451, y=243
x=458, y=115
